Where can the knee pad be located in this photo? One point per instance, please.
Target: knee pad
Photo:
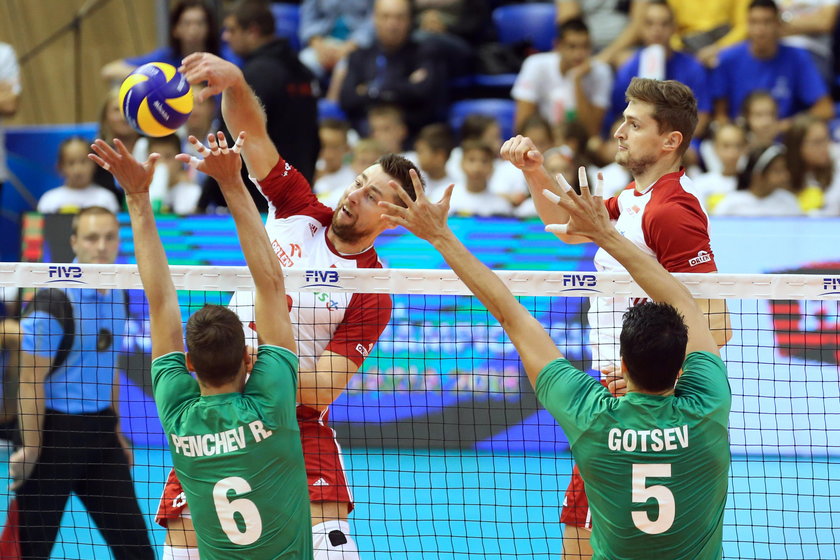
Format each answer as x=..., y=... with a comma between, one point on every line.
x=331, y=541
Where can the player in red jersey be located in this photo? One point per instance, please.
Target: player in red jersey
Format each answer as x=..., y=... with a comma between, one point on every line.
x=659, y=212
x=335, y=332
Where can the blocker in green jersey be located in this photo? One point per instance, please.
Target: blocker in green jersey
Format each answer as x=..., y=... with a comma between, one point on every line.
x=235, y=444
x=655, y=461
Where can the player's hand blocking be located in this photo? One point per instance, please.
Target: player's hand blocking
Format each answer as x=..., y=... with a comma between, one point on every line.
x=422, y=217
x=219, y=161
x=588, y=216
x=134, y=177
x=217, y=72
x=522, y=152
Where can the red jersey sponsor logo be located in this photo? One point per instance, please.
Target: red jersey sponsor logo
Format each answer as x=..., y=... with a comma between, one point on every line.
x=702, y=257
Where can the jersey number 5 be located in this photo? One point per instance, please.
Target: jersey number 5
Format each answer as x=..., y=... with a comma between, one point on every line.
x=664, y=497
x=227, y=510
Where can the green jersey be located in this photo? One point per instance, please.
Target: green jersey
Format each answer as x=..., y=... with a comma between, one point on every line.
x=655, y=467
x=239, y=458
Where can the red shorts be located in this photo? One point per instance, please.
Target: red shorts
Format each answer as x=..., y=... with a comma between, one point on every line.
x=576, y=505
x=324, y=471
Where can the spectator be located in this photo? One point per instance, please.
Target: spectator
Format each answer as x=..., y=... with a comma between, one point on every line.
x=286, y=88
x=730, y=146
x=433, y=147
x=454, y=29
x=394, y=70
x=615, y=24
x=79, y=191
x=112, y=126
x=69, y=420
x=193, y=28
x=171, y=190
x=808, y=24
x=334, y=172
x=651, y=62
x=386, y=124
x=331, y=29
x=473, y=197
x=760, y=115
x=704, y=28
x=506, y=179
x=565, y=84
x=763, y=187
x=762, y=62
x=813, y=160
x=539, y=130
x=9, y=97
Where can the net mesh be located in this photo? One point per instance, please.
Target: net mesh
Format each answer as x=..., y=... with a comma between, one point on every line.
x=447, y=451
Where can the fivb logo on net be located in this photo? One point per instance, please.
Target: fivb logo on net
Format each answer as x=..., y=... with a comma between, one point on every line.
x=321, y=279
x=831, y=286
x=63, y=273
x=580, y=283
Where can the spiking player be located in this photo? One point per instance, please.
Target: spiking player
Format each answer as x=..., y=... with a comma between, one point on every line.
x=335, y=332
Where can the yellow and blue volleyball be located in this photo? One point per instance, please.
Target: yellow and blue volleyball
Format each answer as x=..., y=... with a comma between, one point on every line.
x=156, y=99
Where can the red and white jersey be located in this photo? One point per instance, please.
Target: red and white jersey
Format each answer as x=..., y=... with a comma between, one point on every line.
x=297, y=225
x=666, y=221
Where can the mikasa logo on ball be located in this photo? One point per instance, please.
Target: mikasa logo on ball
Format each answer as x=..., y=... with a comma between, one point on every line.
x=159, y=106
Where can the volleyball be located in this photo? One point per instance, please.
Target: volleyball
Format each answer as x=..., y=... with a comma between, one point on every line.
x=156, y=99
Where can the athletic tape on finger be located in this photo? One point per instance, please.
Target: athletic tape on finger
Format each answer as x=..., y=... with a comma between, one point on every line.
x=554, y=198
x=557, y=228
x=564, y=184
x=238, y=145
x=223, y=145
x=194, y=161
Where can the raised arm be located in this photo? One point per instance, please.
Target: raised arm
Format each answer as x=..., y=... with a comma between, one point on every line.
x=240, y=107
x=521, y=152
x=428, y=221
x=270, y=309
x=135, y=177
x=589, y=218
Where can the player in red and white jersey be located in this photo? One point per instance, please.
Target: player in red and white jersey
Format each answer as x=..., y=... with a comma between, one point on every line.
x=658, y=211
x=334, y=331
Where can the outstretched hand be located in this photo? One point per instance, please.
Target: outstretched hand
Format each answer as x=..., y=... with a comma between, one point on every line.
x=588, y=216
x=217, y=72
x=134, y=177
x=422, y=217
x=219, y=161
x=522, y=152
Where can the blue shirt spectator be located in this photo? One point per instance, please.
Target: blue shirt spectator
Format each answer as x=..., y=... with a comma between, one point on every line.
x=763, y=63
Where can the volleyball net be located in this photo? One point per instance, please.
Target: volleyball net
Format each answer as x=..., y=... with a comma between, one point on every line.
x=447, y=451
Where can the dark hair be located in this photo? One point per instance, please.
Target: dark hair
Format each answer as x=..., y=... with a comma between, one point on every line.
x=170, y=139
x=768, y=4
x=573, y=25
x=674, y=106
x=536, y=121
x=438, y=136
x=387, y=110
x=255, y=13
x=653, y=340
x=758, y=161
x=71, y=140
x=335, y=124
x=212, y=43
x=752, y=98
x=89, y=211
x=216, y=343
x=472, y=144
x=793, y=140
x=398, y=167
x=476, y=124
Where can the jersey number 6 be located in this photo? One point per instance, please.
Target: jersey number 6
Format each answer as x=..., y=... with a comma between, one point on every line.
x=227, y=509
x=664, y=497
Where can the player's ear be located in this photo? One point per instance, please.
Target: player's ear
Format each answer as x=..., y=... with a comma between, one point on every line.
x=247, y=360
x=673, y=140
x=190, y=366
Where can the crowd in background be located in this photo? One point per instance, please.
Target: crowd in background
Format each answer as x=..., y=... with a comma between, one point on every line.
x=361, y=78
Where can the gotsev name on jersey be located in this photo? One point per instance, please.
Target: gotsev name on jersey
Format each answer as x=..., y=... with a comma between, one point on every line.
x=222, y=442
x=668, y=439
